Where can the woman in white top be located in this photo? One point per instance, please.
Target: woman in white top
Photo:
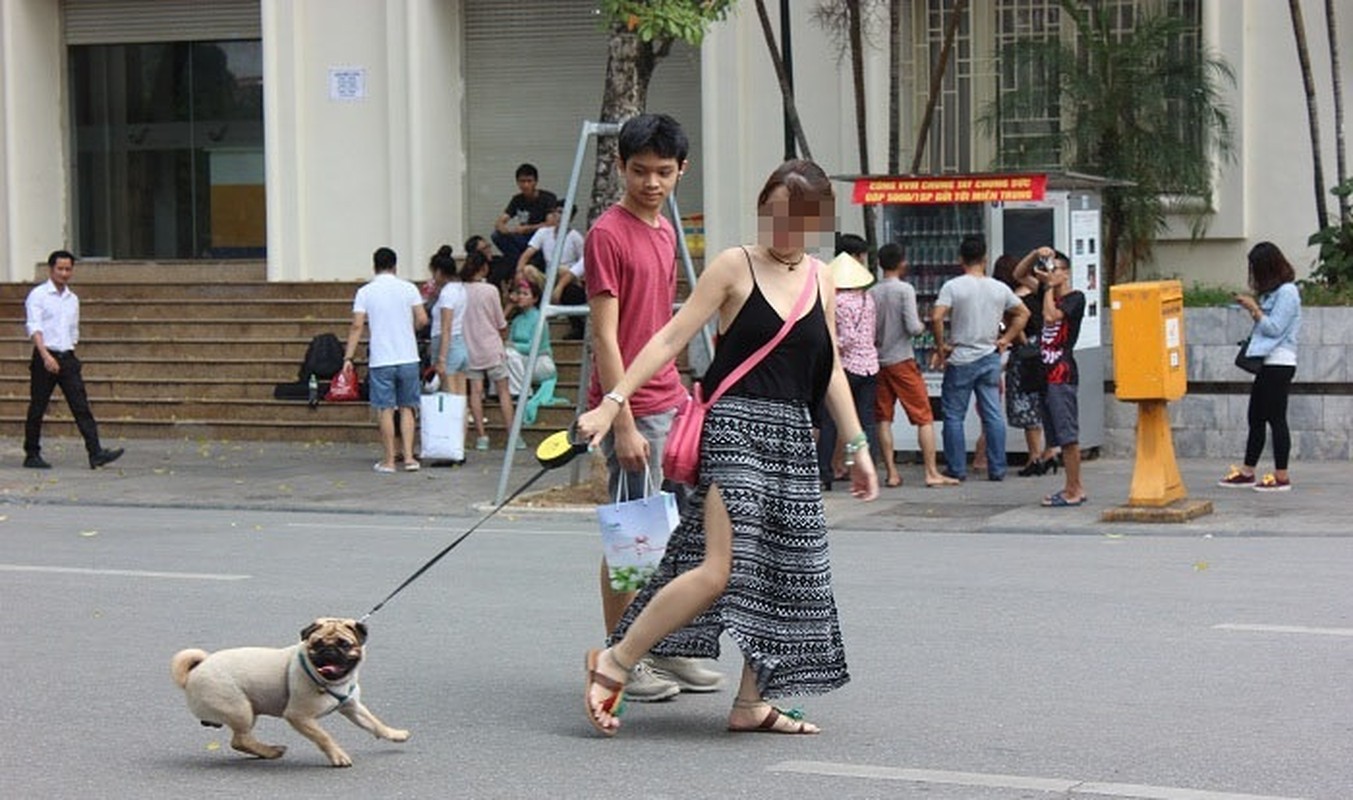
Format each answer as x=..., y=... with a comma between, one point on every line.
x=448, y=314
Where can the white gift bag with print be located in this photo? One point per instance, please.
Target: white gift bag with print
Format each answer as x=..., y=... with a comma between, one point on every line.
x=442, y=427
x=634, y=533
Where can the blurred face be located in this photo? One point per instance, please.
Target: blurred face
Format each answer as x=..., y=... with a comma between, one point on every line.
x=522, y=295
x=61, y=271
x=527, y=185
x=649, y=180
x=1060, y=273
x=786, y=224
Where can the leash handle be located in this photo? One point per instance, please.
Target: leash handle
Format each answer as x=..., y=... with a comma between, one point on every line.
x=453, y=545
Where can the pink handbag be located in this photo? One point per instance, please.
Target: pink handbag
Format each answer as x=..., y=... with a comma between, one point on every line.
x=681, y=451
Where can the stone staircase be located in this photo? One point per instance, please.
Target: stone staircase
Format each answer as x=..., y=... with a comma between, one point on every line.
x=189, y=352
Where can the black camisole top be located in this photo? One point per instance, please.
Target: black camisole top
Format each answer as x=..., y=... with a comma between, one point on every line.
x=799, y=367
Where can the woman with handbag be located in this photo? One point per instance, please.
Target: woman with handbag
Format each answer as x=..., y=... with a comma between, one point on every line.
x=1276, y=310
x=750, y=556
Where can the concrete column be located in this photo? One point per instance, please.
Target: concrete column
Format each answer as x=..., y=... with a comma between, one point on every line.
x=34, y=206
x=383, y=167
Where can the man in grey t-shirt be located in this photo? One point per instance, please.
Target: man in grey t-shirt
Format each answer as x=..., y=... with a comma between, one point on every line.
x=971, y=359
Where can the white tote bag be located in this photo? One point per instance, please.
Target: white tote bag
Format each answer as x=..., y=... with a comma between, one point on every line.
x=442, y=427
x=634, y=534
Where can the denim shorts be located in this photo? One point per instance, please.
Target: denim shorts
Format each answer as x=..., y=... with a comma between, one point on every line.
x=396, y=385
x=457, y=357
x=1061, y=423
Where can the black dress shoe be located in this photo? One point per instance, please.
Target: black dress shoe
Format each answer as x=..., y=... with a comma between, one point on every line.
x=104, y=456
x=36, y=462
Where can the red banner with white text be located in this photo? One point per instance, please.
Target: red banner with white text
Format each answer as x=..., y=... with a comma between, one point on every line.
x=920, y=190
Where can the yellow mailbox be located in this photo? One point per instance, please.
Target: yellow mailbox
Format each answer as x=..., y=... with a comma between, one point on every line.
x=1148, y=340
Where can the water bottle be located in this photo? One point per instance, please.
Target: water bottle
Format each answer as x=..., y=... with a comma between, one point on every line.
x=314, y=389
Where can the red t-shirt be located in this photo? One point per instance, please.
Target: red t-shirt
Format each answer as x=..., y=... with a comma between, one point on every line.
x=634, y=262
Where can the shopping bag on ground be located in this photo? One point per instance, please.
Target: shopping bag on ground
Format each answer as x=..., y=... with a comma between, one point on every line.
x=441, y=427
x=634, y=534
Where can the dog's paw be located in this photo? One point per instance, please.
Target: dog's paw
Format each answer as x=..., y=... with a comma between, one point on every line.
x=397, y=735
x=338, y=758
x=271, y=751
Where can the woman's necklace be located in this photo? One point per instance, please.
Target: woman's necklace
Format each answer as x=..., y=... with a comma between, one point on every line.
x=785, y=261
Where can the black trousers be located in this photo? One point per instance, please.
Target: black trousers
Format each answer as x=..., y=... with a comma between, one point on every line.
x=1268, y=409
x=863, y=390
x=72, y=385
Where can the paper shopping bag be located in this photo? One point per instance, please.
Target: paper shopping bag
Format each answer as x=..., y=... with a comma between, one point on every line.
x=634, y=534
x=442, y=427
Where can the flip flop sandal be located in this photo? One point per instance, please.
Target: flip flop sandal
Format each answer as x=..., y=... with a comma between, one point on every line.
x=379, y=467
x=773, y=715
x=1059, y=500
x=412, y=466
x=613, y=705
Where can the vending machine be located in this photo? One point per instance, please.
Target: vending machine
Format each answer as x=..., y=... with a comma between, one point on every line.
x=930, y=215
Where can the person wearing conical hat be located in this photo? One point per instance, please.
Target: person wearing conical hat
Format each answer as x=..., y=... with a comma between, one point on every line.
x=855, y=315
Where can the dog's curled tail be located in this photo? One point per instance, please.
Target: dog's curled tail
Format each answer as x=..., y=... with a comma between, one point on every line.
x=183, y=663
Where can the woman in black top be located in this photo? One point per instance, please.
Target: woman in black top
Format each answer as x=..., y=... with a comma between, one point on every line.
x=750, y=556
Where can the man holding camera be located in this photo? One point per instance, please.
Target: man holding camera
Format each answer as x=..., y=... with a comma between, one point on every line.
x=1063, y=310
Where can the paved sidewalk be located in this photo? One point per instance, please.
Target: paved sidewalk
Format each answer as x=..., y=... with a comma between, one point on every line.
x=327, y=477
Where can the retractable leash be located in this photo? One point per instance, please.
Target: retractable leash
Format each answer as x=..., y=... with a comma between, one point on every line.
x=555, y=451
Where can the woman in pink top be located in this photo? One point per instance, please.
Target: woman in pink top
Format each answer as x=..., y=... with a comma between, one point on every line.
x=483, y=332
x=855, y=337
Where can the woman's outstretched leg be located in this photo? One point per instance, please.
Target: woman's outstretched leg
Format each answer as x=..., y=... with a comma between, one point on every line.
x=671, y=608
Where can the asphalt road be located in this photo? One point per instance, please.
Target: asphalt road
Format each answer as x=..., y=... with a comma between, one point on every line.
x=985, y=666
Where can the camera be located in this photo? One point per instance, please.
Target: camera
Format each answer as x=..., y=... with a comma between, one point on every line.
x=1043, y=265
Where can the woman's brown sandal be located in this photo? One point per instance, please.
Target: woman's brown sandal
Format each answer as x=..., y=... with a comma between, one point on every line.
x=771, y=722
x=613, y=705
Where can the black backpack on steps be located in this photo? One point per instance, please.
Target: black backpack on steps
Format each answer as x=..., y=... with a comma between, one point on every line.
x=323, y=358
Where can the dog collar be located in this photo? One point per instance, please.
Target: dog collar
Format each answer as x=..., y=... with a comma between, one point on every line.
x=321, y=685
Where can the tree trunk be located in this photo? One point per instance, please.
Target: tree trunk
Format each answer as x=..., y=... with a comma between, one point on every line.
x=856, y=38
x=1304, y=56
x=1115, y=225
x=629, y=67
x=936, y=83
x=894, y=86
x=1340, y=165
x=786, y=91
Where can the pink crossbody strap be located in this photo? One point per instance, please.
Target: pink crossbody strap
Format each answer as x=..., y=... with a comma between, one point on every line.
x=809, y=289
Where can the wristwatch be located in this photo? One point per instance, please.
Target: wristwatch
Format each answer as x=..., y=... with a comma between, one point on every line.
x=616, y=397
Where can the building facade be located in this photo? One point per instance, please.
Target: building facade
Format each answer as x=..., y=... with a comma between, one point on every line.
x=309, y=132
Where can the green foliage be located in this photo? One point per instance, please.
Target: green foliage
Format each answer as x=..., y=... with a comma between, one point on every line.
x=1141, y=106
x=1313, y=293
x=1318, y=293
x=1335, y=268
x=1201, y=295
x=665, y=20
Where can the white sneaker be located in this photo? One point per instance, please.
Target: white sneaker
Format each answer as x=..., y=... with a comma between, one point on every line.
x=686, y=673
x=644, y=686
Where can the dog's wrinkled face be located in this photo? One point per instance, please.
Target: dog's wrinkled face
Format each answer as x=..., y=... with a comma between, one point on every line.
x=334, y=646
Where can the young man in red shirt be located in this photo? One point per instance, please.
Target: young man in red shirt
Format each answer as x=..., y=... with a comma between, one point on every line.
x=630, y=262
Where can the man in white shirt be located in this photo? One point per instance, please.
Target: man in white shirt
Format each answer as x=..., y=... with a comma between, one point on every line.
x=393, y=308
x=546, y=239
x=568, y=280
x=53, y=323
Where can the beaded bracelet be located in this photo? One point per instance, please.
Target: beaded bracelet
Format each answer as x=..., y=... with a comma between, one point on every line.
x=855, y=445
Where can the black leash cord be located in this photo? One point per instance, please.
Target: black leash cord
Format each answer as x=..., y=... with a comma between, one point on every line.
x=452, y=546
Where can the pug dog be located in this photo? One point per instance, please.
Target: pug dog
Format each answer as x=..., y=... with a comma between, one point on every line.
x=300, y=684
